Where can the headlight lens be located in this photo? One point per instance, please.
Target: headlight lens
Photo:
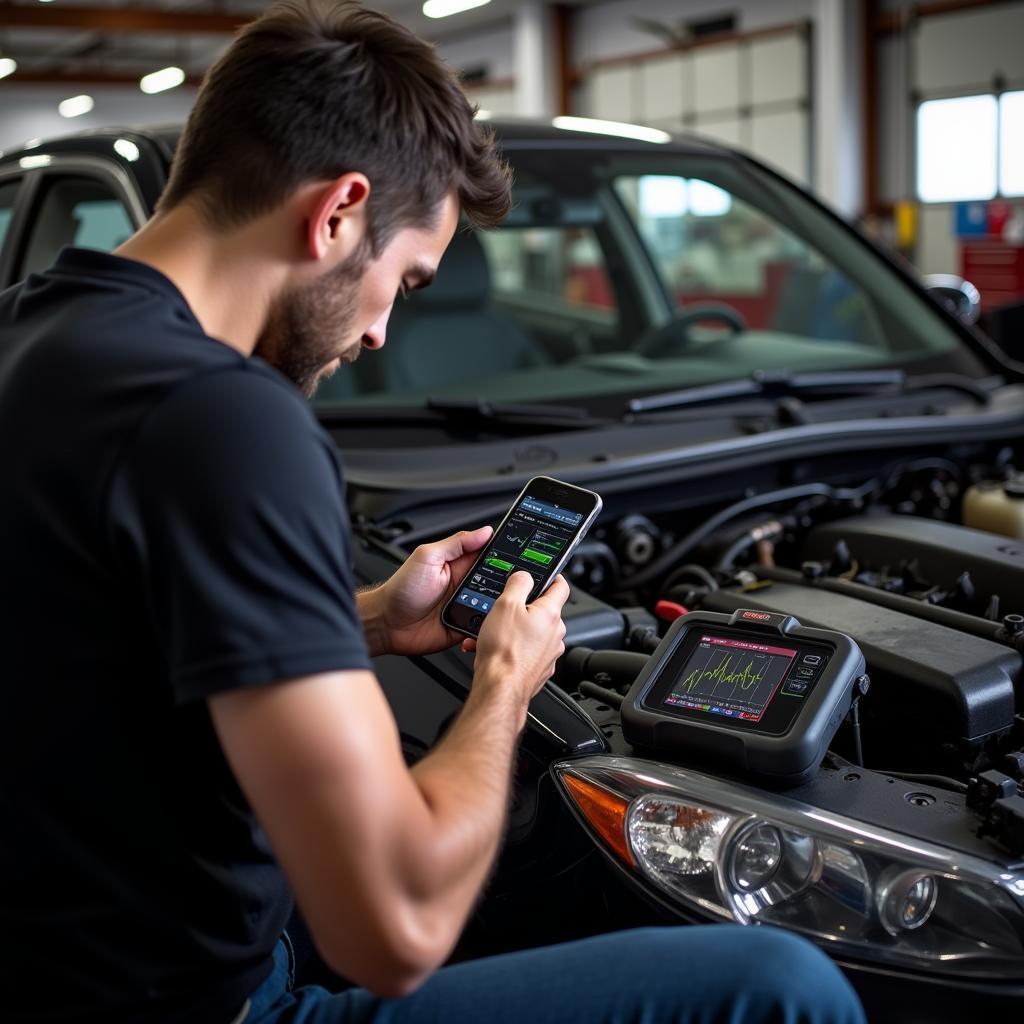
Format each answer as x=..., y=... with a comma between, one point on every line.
x=731, y=852
x=756, y=857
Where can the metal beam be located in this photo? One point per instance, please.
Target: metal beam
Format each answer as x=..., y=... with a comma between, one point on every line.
x=118, y=19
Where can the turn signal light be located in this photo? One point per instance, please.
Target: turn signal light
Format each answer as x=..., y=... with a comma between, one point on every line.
x=604, y=810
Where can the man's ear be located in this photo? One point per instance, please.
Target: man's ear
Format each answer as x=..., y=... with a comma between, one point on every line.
x=337, y=216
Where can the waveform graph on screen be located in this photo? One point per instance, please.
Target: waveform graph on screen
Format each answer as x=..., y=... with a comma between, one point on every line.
x=516, y=537
x=724, y=674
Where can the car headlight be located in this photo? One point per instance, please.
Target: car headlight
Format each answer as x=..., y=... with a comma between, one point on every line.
x=727, y=851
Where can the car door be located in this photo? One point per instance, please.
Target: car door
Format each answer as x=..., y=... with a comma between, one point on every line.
x=81, y=201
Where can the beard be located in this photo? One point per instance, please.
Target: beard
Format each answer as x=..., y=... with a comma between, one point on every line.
x=306, y=325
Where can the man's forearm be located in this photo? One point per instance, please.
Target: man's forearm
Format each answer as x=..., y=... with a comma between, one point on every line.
x=465, y=782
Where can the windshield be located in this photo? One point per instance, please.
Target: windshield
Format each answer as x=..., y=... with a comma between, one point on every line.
x=628, y=274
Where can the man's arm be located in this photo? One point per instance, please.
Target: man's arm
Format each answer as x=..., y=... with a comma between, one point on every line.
x=386, y=862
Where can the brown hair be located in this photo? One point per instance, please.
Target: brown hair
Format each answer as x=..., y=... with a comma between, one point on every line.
x=314, y=89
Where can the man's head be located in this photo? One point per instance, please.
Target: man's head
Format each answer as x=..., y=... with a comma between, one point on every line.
x=359, y=131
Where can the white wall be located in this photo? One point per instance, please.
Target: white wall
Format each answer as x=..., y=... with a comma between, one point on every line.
x=28, y=112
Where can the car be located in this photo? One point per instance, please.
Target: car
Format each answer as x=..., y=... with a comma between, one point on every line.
x=789, y=433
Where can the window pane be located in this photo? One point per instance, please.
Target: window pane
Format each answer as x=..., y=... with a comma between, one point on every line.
x=7, y=193
x=1011, y=143
x=76, y=211
x=956, y=149
x=563, y=267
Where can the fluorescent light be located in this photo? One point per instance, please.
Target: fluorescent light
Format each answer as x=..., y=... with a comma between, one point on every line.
x=617, y=128
x=29, y=162
x=158, y=81
x=7, y=66
x=127, y=149
x=443, y=8
x=75, y=106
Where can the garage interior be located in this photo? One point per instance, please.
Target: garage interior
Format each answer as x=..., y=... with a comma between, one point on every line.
x=761, y=287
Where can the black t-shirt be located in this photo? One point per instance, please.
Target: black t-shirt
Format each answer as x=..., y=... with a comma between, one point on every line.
x=172, y=525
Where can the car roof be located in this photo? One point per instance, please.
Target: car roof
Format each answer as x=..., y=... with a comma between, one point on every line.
x=508, y=129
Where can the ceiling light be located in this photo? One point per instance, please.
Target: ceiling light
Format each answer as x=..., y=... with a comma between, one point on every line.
x=158, y=81
x=7, y=66
x=443, y=8
x=617, y=128
x=75, y=106
x=127, y=149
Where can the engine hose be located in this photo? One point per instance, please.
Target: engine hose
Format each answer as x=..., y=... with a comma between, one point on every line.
x=766, y=531
x=585, y=663
x=691, y=569
x=601, y=693
x=686, y=544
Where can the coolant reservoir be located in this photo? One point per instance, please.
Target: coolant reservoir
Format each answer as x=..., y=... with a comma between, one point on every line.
x=996, y=507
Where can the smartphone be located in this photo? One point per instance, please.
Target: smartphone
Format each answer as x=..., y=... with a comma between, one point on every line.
x=538, y=534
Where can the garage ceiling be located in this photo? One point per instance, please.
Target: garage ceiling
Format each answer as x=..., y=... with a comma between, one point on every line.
x=107, y=40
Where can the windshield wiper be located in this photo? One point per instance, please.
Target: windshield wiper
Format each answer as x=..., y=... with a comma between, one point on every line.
x=563, y=417
x=469, y=412
x=784, y=384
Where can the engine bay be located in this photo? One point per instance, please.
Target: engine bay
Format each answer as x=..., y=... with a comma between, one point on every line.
x=897, y=564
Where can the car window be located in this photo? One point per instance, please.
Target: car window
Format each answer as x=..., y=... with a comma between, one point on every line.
x=563, y=266
x=625, y=273
x=715, y=250
x=523, y=297
x=8, y=191
x=75, y=211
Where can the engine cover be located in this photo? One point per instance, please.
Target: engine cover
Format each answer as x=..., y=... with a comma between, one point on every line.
x=942, y=550
x=929, y=682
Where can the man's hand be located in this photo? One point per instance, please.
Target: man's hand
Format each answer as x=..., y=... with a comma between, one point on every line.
x=403, y=615
x=520, y=643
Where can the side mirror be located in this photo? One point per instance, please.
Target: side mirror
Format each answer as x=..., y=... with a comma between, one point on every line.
x=959, y=297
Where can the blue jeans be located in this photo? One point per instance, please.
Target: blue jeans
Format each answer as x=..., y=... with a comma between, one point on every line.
x=715, y=974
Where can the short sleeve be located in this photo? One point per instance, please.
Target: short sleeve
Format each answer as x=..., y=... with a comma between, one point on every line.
x=227, y=511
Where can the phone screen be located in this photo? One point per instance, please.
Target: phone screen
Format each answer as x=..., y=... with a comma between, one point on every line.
x=537, y=536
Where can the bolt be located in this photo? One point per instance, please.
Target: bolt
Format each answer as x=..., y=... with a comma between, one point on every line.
x=1013, y=625
x=812, y=570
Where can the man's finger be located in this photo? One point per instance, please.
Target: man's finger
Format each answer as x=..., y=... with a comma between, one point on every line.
x=518, y=587
x=458, y=544
x=556, y=594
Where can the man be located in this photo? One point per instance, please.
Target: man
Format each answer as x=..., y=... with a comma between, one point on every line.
x=184, y=655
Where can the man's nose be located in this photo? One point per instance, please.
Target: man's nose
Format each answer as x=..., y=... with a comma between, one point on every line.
x=376, y=332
